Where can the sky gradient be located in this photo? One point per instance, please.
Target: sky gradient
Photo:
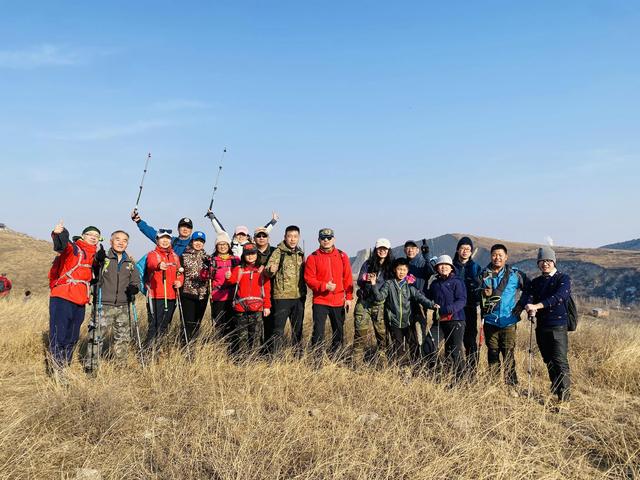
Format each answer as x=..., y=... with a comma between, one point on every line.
x=400, y=120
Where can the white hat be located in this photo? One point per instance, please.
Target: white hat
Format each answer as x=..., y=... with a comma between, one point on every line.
x=444, y=260
x=223, y=238
x=383, y=242
x=241, y=229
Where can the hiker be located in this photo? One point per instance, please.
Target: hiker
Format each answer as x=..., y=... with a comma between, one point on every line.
x=546, y=298
x=368, y=310
x=70, y=276
x=420, y=271
x=214, y=270
x=288, y=290
x=178, y=244
x=328, y=275
x=251, y=300
x=398, y=296
x=5, y=285
x=163, y=266
x=241, y=233
x=261, y=239
x=500, y=312
x=469, y=271
x=448, y=291
x=194, y=293
x=118, y=284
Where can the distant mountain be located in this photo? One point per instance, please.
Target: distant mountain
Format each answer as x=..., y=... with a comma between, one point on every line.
x=596, y=272
x=26, y=261
x=628, y=245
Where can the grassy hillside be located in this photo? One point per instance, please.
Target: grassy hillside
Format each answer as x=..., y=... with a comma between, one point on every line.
x=26, y=261
x=212, y=418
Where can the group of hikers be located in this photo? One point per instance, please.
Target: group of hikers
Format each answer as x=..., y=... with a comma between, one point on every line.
x=253, y=288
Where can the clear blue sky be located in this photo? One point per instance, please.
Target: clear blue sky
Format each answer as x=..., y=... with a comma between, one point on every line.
x=516, y=120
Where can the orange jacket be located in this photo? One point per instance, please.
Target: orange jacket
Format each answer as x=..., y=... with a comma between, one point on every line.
x=253, y=291
x=156, y=285
x=74, y=272
x=323, y=267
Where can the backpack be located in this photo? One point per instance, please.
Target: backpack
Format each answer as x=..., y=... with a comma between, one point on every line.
x=250, y=304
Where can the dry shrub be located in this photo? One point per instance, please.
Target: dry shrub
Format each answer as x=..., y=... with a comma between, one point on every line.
x=210, y=417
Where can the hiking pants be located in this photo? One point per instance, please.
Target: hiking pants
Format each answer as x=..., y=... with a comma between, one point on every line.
x=502, y=341
x=553, y=343
x=113, y=333
x=193, y=309
x=222, y=318
x=368, y=312
x=274, y=324
x=403, y=342
x=453, y=331
x=160, y=320
x=471, y=349
x=65, y=318
x=336, y=317
x=243, y=337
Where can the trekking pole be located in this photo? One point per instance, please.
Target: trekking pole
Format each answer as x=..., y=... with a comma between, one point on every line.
x=144, y=174
x=164, y=285
x=132, y=305
x=215, y=186
x=532, y=320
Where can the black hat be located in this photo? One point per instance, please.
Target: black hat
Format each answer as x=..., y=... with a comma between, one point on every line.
x=464, y=241
x=410, y=243
x=185, y=222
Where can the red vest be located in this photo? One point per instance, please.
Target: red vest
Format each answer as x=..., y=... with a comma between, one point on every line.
x=74, y=273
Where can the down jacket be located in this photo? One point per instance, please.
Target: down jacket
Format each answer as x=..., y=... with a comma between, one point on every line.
x=397, y=297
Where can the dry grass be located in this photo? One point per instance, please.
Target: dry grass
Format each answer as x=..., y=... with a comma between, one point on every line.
x=211, y=418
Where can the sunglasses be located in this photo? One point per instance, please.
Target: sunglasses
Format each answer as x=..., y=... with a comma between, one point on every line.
x=164, y=230
x=326, y=237
x=262, y=235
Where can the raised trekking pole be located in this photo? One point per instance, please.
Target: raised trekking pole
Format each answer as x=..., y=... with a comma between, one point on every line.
x=144, y=174
x=532, y=320
x=215, y=187
x=132, y=306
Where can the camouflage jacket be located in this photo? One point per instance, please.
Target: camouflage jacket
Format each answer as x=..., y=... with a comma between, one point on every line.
x=288, y=281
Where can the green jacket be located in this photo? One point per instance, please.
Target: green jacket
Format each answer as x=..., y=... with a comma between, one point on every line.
x=397, y=301
x=288, y=281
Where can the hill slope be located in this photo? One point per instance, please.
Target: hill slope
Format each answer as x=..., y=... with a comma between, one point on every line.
x=628, y=245
x=26, y=261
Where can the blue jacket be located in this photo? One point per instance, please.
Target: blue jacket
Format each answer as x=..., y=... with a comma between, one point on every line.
x=502, y=315
x=420, y=268
x=451, y=294
x=470, y=273
x=553, y=292
x=178, y=244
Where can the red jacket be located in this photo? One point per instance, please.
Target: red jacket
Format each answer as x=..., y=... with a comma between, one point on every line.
x=74, y=272
x=253, y=291
x=334, y=266
x=156, y=285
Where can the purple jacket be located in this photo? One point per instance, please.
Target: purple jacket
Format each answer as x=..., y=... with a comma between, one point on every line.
x=451, y=294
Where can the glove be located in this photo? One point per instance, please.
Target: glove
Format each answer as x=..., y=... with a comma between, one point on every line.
x=131, y=292
x=424, y=249
x=209, y=215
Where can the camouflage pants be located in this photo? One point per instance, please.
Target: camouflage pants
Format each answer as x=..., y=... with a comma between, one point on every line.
x=113, y=334
x=245, y=332
x=366, y=313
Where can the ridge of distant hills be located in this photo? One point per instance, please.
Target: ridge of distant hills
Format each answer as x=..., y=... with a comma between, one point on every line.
x=595, y=272
x=628, y=245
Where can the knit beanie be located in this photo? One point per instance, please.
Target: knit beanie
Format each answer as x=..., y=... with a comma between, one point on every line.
x=464, y=241
x=546, y=253
x=91, y=228
x=223, y=238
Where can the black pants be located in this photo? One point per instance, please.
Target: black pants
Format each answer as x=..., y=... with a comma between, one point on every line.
x=274, y=324
x=471, y=339
x=553, y=343
x=222, y=318
x=453, y=331
x=403, y=343
x=336, y=317
x=193, y=310
x=243, y=337
x=159, y=320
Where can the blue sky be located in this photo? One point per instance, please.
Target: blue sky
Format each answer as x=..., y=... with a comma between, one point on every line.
x=396, y=119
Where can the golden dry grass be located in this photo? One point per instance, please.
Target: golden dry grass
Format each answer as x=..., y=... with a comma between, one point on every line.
x=212, y=418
